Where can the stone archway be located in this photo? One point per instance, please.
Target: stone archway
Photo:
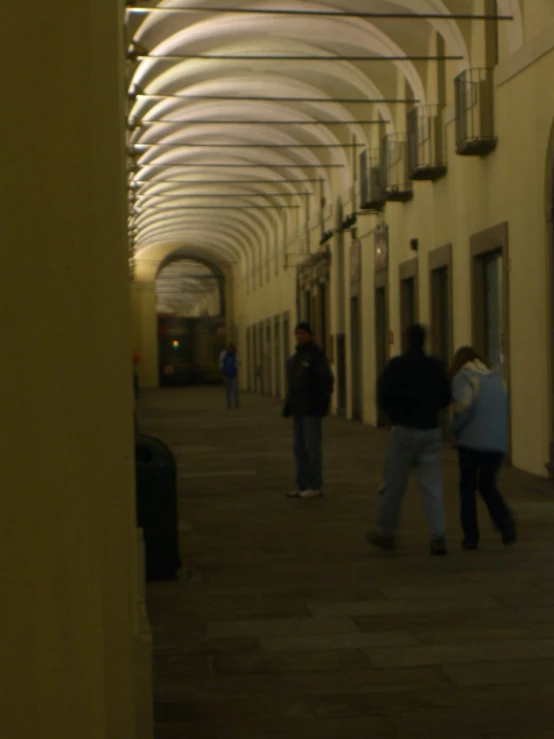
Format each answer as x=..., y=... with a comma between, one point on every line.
x=212, y=267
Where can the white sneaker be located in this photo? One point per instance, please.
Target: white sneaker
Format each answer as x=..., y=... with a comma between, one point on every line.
x=295, y=494
x=311, y=494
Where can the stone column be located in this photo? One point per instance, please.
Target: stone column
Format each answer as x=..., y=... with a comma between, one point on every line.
x=145, y=333
x=68, y=542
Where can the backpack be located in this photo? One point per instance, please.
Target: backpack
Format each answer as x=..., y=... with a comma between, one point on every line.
x=229, y=365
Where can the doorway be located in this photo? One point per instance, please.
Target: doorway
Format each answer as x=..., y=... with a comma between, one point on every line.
x=323, y=316
x=381, y=333
x=286, y=346
x=490, y=298
x=493, y=300
x=267, y=359
x=255, y=373
x=248, y=363
x=308, y=306
x=356, y=356
x=441, y=334
x=440, y=267
x=260, y=360
x=409, y=297
x=408, y=303
x=340, y=338
x=277, y=356
x=440, y=314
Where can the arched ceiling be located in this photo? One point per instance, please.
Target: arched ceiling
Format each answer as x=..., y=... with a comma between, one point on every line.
x=181, y=127
x=185, y=285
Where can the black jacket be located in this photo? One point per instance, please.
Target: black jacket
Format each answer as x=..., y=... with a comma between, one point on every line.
x=413, y=389
x=310, y=382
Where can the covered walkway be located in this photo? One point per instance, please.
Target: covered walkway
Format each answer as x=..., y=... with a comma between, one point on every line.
x=285, y=625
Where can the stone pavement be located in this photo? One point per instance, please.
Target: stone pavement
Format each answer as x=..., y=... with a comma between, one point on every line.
x=286, y=625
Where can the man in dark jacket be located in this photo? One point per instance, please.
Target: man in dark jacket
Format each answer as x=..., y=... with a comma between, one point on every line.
x=412, y=391
x=310, y=384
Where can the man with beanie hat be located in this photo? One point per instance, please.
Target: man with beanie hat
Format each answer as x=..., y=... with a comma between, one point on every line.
x=310, y=385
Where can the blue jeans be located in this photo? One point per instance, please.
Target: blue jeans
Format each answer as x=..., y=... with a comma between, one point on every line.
x=307, y=439
x=421, y=451
x=232, y=391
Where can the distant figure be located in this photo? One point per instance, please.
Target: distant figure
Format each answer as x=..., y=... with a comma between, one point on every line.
x=480, y=430
x=229, y=365
x=412, y=391
x=310, y=385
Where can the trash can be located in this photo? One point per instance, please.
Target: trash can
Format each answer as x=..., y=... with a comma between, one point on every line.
x=156, y=493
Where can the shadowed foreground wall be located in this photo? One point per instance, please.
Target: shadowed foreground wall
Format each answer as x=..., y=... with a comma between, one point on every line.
x=69, y=584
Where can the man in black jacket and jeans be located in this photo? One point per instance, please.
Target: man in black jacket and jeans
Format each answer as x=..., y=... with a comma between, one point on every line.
x=309, y=388
x=412, y=391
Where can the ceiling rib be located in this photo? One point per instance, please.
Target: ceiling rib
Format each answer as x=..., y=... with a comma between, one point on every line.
x=135, y=94
x=255, y=122
x=375, y=15
x=163, y=205
x=224, y=165
x=297, y=58
x=194, y=145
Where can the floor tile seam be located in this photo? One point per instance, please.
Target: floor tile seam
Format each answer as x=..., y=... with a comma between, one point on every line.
x=315, y=670
x=484, y=657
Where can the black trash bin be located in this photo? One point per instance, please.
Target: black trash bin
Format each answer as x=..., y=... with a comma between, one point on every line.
x=156, y=490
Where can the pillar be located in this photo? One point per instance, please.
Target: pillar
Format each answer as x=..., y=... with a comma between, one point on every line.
x=68, y=542
x=145, y=332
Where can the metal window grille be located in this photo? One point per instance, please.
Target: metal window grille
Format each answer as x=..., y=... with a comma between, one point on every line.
x=474, y=99
x=426, y=150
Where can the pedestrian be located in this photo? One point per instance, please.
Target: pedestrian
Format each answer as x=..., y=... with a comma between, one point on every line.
x=412, y=391
x=480, y=432
x=229, y=365
x=310, y=384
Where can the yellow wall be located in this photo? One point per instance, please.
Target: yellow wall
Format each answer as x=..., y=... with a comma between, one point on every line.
x=476, y=194
x=69, y=587
x=537, y=14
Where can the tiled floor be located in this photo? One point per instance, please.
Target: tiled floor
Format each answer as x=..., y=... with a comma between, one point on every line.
x=286, y=625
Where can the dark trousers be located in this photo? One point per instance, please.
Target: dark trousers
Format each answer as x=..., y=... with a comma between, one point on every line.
x=307, y=452
x=232, y=391
x=478, y=471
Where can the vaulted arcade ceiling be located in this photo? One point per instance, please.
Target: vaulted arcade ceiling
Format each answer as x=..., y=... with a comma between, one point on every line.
x=239, y=108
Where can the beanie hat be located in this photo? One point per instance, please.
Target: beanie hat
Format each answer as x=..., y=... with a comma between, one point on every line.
x=304, y=326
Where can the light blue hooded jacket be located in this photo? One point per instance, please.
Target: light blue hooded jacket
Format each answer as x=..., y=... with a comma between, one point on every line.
x=480, y=405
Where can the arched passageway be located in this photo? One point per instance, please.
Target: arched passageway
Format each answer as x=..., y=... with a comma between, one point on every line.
x=190, y=321
x=186, y=288
x=249, y=124
x=228, y=135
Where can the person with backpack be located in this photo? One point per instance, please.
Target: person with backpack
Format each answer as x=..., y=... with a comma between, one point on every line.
x=480, y=432
x=229, y=365
x=310, y=383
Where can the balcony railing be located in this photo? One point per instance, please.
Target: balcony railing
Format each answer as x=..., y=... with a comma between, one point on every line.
x=394, y=168
x=426, y=149
x=372, y=193
x=475, y=130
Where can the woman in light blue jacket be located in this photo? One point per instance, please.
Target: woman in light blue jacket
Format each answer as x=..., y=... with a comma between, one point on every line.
x=480, y=429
